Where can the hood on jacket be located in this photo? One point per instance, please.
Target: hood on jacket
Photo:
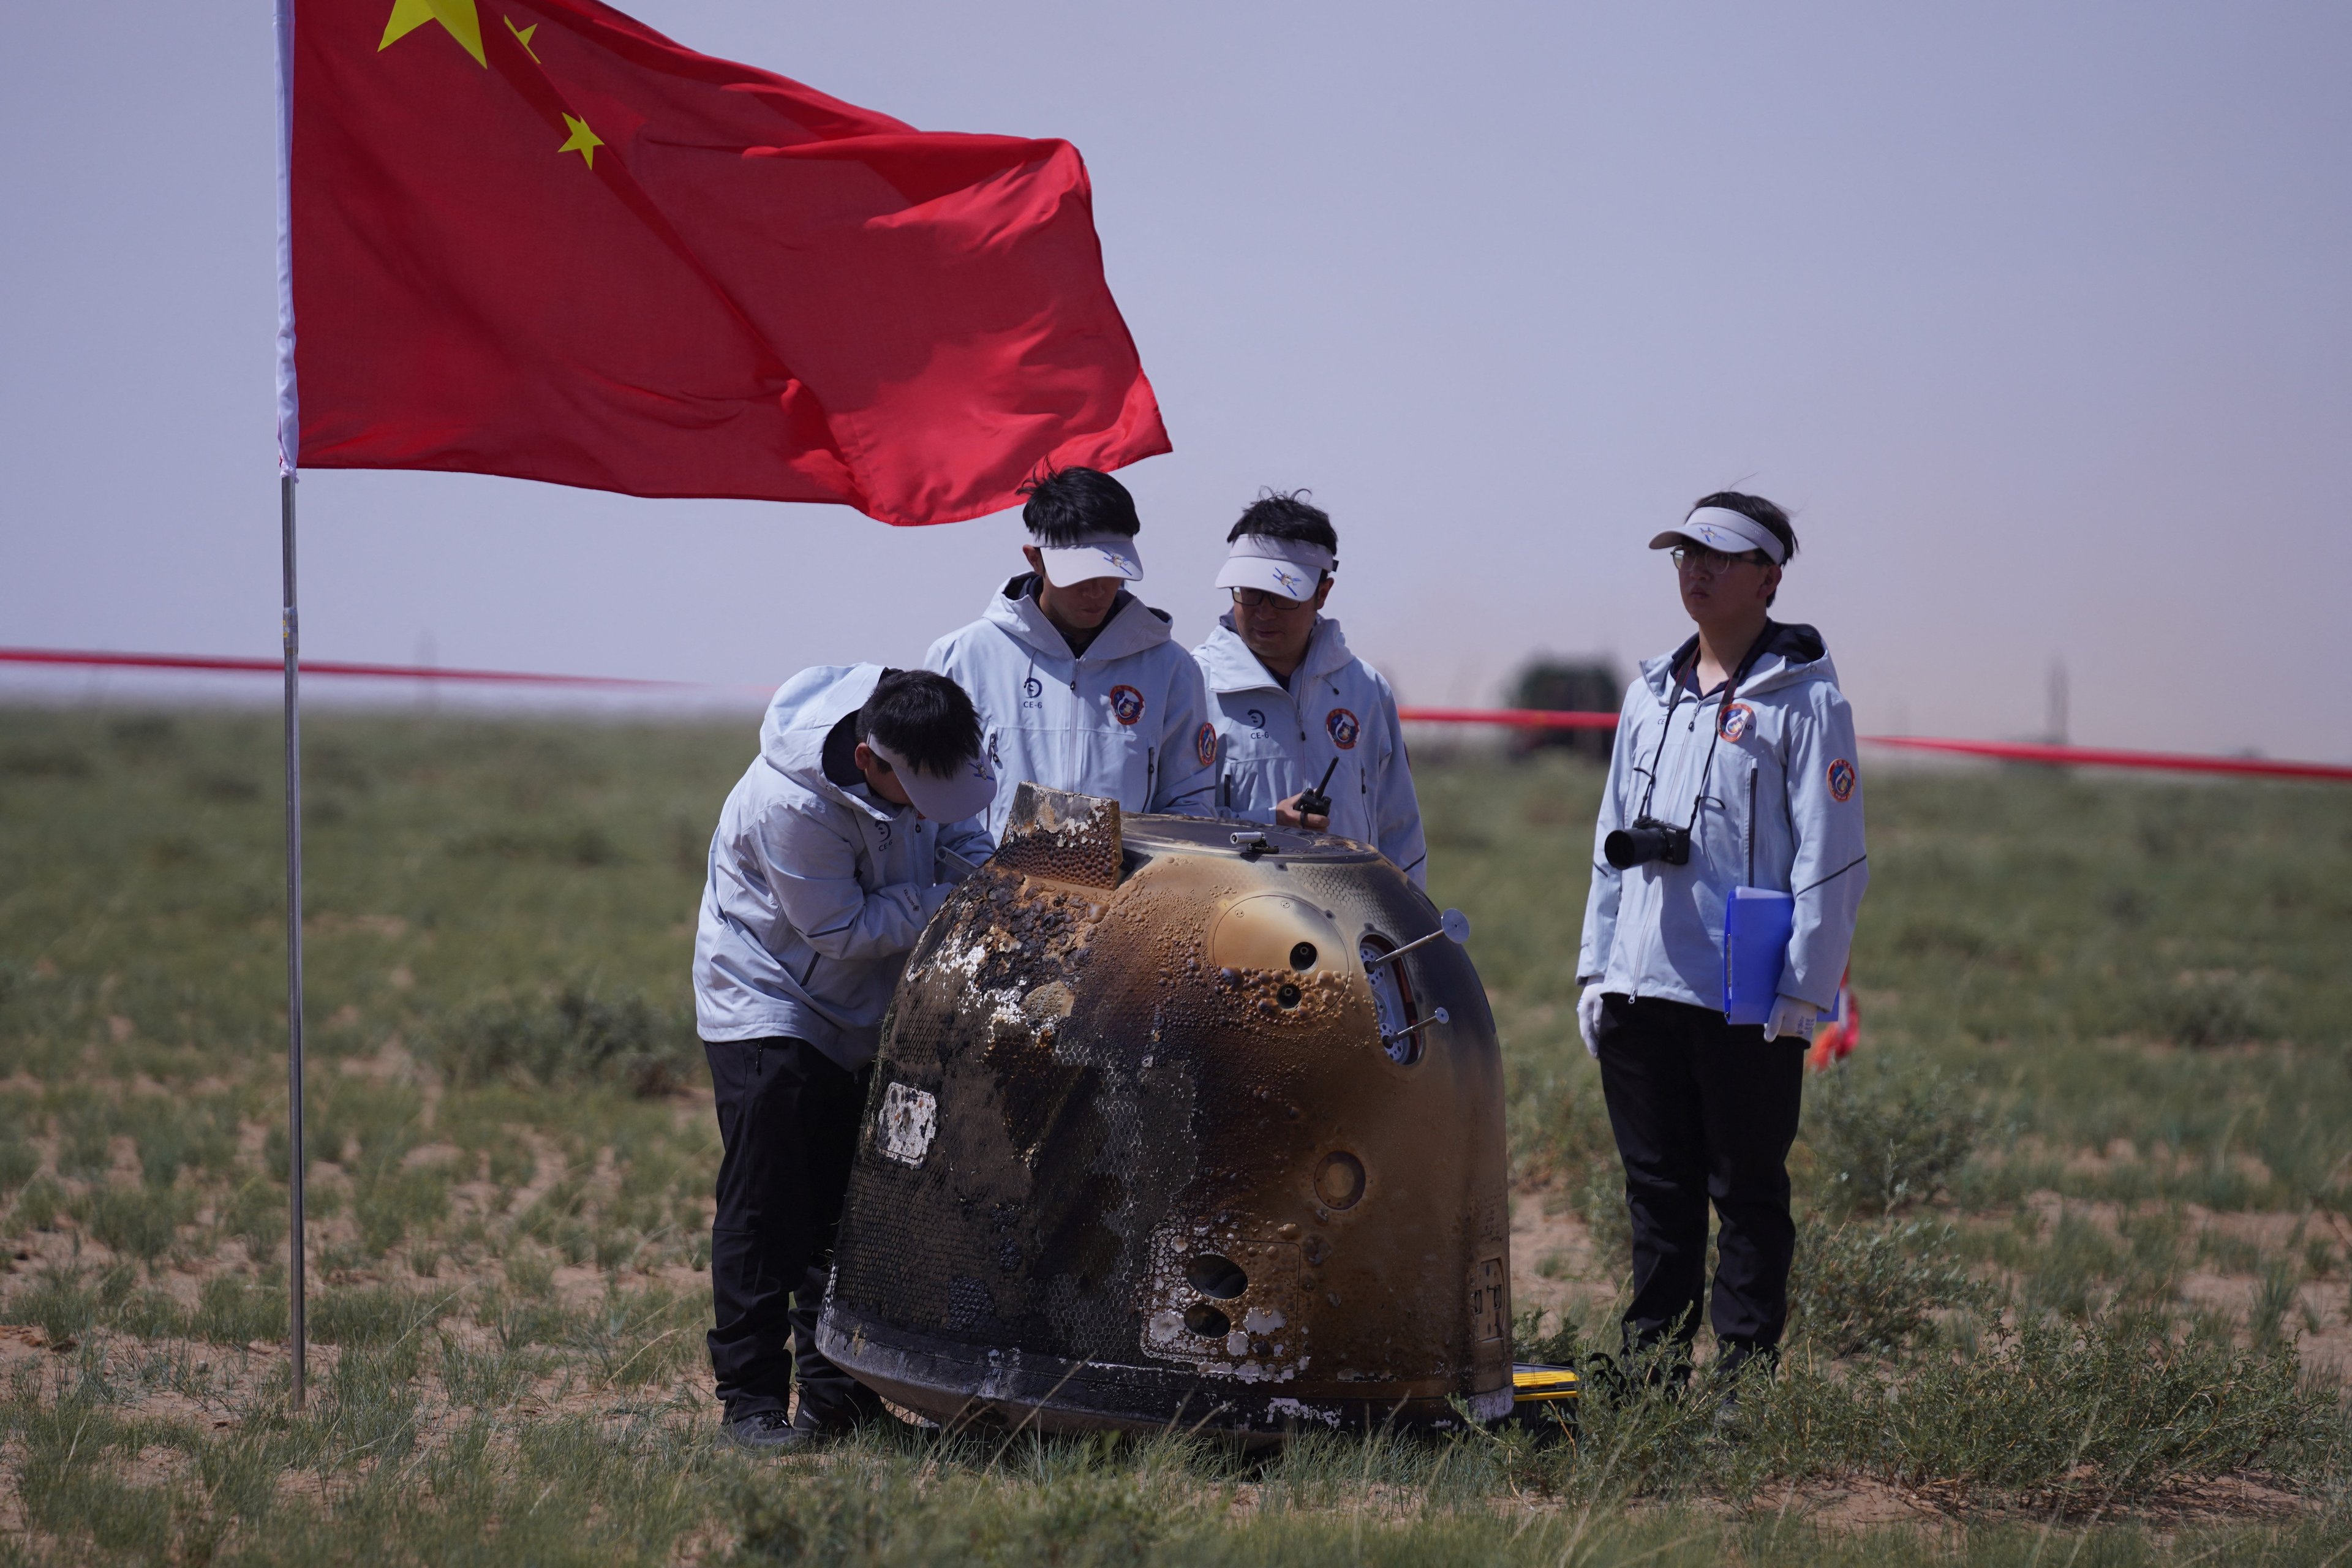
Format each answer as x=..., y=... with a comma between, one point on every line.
x=1792, y=653
x=1230, y=665
x=803, y=713
x=1131, y=626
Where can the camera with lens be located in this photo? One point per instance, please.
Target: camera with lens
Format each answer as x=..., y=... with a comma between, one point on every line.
x=1648, y=839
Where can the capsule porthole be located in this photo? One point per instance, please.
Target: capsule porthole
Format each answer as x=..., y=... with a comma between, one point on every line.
x=1207, y=1321
x=1339, y=1180
x=1214, y=1274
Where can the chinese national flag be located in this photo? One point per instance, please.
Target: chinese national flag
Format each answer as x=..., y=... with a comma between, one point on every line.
x=534, y=238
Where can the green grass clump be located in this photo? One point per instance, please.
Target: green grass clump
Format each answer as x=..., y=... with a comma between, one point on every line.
x=1885, y=1137
x=1857, y=1288
x=2081, y=1416
x=373, y=1315
x=18, y=1159
x=573, y=1035
x=58, y=1303
x=233, y=1310
x=139, y=1222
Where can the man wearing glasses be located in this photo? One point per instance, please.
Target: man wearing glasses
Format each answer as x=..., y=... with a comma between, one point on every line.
x=1295, y=711
x=1768, y=797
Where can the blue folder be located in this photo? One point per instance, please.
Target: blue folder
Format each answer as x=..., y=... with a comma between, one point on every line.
x=1756, y=926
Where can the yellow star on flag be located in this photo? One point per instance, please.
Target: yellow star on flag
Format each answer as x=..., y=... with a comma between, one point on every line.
x=457, y=17
x=522, y=37
x=583, y=142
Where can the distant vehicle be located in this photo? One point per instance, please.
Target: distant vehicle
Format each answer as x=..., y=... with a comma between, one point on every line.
x=1567, y=685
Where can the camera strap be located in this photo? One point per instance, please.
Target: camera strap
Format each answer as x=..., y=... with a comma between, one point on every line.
x=1730, y=688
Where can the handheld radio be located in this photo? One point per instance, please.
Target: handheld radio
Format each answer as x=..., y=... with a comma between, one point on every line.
x=1314, y=802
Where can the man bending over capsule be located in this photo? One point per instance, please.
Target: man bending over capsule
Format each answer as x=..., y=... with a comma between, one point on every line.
x=842, y=841
x=1767, y=798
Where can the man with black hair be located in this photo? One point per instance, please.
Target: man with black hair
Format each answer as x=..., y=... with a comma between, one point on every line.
x=1704, y=1110
x=840, y=842
x=1079, y=685
x=1295, y=709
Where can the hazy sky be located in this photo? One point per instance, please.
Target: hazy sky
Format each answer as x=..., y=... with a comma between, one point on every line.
x=2038, y=318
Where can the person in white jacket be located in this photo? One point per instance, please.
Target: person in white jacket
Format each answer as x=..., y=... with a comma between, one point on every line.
x=1079, y=685
x=1704, y=1110
x=1294, y=708
x=841, y=841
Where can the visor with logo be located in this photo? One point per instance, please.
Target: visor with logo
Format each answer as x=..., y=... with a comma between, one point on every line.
x=1719, y=528
x=1096, y=556
x=966, y=791
x=1290, y=567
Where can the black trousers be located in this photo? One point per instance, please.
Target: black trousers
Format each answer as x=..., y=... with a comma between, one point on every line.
x=1703, y=1110
x=788, y=1123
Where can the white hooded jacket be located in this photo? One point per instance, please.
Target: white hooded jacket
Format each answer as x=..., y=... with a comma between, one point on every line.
x=817, y=888
x=1271, y=744
x=1126, y=721
x=1781, y=808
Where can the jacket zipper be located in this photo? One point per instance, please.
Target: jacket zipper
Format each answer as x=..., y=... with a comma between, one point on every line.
x=1753, y=770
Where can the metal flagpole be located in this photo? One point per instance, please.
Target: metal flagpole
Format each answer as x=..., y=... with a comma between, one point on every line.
x=289, y=429
x=292, y=636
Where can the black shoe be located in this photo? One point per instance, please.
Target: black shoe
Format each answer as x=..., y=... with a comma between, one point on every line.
x=1729, y=1420
x=769, y=1432
x=1737, y=1362
x=839, y=1415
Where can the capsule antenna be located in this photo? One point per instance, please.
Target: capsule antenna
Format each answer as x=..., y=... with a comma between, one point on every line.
x=1452, y=924
x=1439, y=1016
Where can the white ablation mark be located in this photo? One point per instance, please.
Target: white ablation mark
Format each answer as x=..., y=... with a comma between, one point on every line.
x=909, y=1117
x=1299, y=1411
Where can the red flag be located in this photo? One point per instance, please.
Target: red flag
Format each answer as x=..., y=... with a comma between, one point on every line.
x=1839, y=1034
x=534, y=238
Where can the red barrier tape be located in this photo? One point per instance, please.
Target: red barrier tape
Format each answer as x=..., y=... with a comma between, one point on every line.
x=1507, y=718
x=315, y=667
x=2095, y=757
x=1510, y=718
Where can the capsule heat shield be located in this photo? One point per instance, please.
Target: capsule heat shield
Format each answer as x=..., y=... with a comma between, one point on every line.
x=1145, y=1146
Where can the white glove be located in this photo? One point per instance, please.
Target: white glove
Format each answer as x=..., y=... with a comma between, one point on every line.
x=1588, y=1020
x=1790, y=1016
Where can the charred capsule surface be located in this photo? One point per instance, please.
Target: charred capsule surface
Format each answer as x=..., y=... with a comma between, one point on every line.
x=1159, y=1133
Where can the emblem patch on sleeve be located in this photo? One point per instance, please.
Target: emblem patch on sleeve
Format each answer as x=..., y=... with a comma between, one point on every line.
x=1204, y=745
x=1126, y=704
x=1842, y=780
x=1343, y=727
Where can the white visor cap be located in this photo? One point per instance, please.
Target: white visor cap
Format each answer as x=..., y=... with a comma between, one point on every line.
x=969, y=789
x=1719, y=528
x=1096, y=555
x=1290, y=567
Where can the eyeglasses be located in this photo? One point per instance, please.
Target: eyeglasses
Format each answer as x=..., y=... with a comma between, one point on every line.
x=1259, y=599
x=1713, y=563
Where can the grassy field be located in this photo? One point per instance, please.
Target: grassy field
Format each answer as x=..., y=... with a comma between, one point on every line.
x=2072, y=1283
